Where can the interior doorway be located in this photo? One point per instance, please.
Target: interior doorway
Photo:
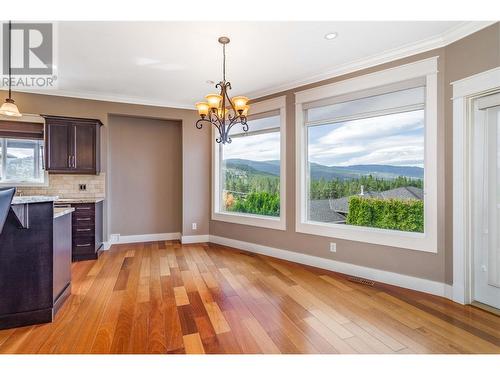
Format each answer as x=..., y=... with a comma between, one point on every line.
x=485, y=202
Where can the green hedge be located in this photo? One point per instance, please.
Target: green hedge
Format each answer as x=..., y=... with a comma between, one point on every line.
x=405, y=215
x=261, y=203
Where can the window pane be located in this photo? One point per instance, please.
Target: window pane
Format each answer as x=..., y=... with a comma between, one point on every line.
x=23, y=160
x=388, y=101
x=368, y=172
x=250, y=173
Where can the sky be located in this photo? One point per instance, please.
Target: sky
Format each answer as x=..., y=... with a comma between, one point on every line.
x=396, y=139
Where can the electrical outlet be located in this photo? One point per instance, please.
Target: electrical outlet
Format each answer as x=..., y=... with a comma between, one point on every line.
x=195, y=226
x=333, y=247
x=114, y=238
x=82, y=187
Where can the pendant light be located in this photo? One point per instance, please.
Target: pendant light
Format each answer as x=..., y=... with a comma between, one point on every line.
x=9, y=108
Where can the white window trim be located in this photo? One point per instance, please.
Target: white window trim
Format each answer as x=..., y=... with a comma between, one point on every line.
x=426, y=241
x=269, y=105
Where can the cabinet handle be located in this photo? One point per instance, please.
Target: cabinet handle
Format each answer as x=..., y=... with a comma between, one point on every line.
x=69, y=161
x=74, y=161
x=83, y=208
x=83, y=245
x=83, y=230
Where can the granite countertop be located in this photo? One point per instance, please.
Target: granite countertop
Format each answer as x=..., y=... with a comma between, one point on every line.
x=61, y=211
x=80, y=200
x=34, y=199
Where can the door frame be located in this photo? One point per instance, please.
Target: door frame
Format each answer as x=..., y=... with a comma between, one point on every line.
x=465, y=91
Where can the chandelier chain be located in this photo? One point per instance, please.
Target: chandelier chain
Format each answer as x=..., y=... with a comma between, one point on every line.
x=10, y=59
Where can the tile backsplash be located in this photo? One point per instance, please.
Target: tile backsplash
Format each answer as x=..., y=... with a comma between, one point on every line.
x=68, y=186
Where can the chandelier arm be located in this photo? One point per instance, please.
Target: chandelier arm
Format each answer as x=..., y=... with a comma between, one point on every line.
x=244, y=123
x=236, y=120
x=199, y=123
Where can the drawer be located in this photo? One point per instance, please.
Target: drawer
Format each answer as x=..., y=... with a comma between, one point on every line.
x=83, y=218
x=84, y=210
x=79, y=250
x=83, y=221
x=83, y=244
x=83, y=231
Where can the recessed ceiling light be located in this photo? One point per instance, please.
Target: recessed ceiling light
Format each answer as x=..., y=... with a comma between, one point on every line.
x=331, y=36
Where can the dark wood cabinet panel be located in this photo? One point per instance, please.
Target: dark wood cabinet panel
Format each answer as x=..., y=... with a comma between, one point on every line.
x=58, y=146
x=26, y=268
x=72, y=145
x=84, y=147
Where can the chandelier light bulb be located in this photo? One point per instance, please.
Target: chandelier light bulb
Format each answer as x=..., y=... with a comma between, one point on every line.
x=9, y=108
x=213, y=100
x=202, y=108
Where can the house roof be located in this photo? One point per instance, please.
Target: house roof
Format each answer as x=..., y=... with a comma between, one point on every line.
x=321, y=211
x=407, y=192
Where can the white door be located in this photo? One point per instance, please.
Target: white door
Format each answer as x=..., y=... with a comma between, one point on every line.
x=486, y=201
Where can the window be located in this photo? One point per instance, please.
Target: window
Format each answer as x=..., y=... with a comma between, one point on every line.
x=367, y=163
x=21, y=161
x=249, y=179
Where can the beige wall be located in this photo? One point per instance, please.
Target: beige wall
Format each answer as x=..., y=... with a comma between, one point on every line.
x=471, y=55
x=195, y=146
x=145, y=175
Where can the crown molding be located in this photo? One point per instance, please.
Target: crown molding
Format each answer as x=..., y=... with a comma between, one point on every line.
x=407, y=50
x=89, y=95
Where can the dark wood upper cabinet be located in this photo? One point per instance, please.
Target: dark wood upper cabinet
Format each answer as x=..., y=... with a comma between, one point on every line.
x=72, y=145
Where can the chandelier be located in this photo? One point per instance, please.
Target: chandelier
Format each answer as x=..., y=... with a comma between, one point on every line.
x=221, y=111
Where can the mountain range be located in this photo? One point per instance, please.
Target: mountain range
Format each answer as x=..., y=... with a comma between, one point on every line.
x=318, y=171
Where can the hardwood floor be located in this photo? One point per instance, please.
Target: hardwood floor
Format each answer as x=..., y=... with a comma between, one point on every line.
x=161, y=297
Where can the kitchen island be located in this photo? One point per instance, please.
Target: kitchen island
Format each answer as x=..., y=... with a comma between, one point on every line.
x=35, y=261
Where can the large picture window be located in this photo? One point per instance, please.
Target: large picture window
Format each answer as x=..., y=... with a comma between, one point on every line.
x=367, y=158
x=366, y=161
x=249, y=175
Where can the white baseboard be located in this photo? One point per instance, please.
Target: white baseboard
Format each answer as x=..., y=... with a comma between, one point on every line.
x=404, y=281
x=142, y=238
x=195, y=239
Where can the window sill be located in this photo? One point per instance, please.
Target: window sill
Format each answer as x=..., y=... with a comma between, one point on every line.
x=393, y=238
x=253, y=220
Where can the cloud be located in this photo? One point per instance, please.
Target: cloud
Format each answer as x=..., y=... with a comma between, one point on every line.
x=396, y=139
x=259, y=147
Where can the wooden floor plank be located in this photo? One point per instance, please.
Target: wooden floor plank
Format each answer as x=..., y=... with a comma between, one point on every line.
x=193, y=344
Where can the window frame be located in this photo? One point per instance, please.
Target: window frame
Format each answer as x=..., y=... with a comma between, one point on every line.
x=270, y=222
x=427, y=241
x=20, y=183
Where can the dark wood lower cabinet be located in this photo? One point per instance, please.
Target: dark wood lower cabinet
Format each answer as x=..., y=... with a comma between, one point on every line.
x=87, y=231
x=35, y=266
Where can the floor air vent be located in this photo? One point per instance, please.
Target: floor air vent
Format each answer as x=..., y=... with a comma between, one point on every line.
x=359, y=280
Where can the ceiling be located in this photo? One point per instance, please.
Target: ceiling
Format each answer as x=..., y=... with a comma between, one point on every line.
x=169, y=63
